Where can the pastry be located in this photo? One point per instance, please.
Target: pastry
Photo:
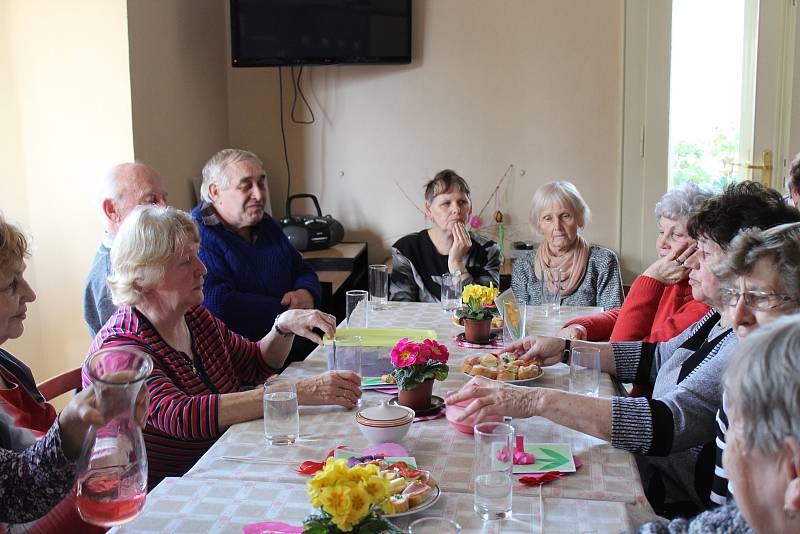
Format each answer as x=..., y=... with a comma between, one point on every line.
x=506, y=374
x=399, y=503
x=417, y=493
x=529, y=371
x=489, y=360
x=397, y=485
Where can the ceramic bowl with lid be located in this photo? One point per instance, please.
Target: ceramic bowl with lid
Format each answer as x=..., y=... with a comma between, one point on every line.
x=384, y=423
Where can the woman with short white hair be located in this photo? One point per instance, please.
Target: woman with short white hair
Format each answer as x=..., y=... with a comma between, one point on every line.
x=199, y=365
x=659, y=304
x=762, y=389
x=590, y=274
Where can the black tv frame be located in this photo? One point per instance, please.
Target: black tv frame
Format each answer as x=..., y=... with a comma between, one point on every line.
x=237, y=61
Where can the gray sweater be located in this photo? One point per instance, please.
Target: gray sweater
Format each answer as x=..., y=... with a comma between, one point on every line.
x=601, y=284
x=97, y=303
x=672, y=427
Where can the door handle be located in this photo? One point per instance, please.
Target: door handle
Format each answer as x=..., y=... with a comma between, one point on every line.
x=766, y=167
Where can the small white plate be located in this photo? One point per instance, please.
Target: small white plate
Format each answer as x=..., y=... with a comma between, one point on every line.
x=424, y=506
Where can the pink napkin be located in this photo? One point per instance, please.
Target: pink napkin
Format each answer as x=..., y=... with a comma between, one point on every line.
x=270, y=527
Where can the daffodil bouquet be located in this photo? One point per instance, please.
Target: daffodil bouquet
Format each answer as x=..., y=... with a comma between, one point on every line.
x=349, y=499
x=414, y=363
x=478, y=302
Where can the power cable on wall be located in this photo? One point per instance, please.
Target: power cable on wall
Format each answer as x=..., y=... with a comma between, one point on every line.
x=297, y=89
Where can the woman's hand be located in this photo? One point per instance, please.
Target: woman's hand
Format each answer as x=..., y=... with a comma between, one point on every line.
x=574, y=331
x=545, y=350
x=458, y=250
x=82, y=412
x=670, y=270
x=334, y=387
x=490, y=398
x=303, y=322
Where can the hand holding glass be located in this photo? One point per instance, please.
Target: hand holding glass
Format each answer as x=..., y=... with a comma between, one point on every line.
x=347, y=353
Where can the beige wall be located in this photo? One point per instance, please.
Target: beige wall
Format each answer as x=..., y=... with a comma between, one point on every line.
x=533, y=83
x=178, y=87
x=69, y=102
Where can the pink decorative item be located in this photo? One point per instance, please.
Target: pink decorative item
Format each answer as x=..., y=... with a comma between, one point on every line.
x=503, y=455
x=520, y=456
x=475, y=221
x=272, y=527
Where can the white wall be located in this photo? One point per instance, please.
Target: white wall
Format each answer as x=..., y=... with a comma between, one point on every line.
x=536, y=83
x=66, y=104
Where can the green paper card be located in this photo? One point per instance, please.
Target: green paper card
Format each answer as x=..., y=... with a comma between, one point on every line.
x=549, y=457
x=373, y=382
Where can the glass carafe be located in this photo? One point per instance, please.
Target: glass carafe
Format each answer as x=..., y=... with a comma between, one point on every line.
x=112, y=470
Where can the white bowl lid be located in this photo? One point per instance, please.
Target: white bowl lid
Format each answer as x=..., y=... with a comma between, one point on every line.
x=384, y=412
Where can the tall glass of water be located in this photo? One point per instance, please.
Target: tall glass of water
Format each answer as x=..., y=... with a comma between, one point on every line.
x=347, y=355
x=451, y=291
x=281, y=414
x=551, y=290
x=584, y=371
x=494, y=452
x=357, y=302
x=379, y=286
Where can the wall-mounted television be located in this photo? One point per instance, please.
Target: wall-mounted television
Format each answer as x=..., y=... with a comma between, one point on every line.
x=267, y=33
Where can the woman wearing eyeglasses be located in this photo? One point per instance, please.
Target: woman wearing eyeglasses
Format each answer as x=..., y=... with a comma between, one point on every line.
x=760, y=281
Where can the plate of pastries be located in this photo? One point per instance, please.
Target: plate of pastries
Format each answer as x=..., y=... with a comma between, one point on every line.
x=504, y=367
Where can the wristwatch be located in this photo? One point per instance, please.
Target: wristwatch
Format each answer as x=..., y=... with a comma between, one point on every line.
x=278, y=328
x=565, y=354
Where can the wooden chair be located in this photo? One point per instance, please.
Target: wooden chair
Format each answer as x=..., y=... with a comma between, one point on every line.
x=60, y=384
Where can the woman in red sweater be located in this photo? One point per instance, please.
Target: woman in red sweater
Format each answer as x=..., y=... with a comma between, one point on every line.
x=659, y=304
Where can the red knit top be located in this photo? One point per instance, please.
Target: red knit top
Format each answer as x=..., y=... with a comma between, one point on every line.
x=652, y=311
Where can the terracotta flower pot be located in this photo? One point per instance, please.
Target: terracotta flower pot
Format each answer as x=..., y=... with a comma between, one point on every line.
x=477, y=331
x=418, y=398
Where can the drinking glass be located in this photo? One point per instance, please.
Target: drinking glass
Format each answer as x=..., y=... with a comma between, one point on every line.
x=112, y=469
x=379, y=286
x=551, y=290
x=451, y=291
x=584, y=371
x=357, y=308
x=515, y=315
x=494, y=451
x=281, y=415
x=347, y=353
x=434, y=525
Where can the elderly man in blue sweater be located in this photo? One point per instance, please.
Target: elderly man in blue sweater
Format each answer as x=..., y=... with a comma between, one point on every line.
x=254, y=273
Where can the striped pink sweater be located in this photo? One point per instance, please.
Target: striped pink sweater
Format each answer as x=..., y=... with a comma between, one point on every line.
x=184, y=391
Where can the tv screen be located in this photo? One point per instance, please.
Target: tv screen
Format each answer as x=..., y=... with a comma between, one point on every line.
x=319, y=32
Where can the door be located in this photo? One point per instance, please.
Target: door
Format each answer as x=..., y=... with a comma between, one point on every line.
x=708, y=86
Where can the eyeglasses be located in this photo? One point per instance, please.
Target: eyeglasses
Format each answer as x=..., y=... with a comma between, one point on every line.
x=756, y=300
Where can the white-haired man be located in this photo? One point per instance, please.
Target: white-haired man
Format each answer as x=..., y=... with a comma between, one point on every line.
x=122, y=188
x=254, y=273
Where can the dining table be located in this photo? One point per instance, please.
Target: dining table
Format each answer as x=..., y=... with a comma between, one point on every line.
x=241, y=480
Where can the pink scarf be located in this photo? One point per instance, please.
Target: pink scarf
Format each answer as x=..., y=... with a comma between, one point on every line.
x=572, y=263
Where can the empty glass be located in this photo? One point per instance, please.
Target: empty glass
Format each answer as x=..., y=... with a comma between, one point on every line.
x=434, y=525
x=357, y=308
x=347, y=351
x=584, y=371
x=281, y=414
x=494, y=451
x=551, y=290
x=451, y=291
x=112, y=470
x=379, y=286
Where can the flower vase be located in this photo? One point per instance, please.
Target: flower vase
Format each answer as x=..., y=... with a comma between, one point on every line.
x=477, y=330
x=418, y=398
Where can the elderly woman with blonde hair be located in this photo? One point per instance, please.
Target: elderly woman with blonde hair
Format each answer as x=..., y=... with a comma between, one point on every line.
x=589, y=275
x=200, y=366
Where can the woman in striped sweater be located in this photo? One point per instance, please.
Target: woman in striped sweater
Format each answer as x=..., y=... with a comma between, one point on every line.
x=199, y=365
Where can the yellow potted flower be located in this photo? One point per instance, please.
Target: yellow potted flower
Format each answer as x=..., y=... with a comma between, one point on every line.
x=349, y=499
x=477, y=312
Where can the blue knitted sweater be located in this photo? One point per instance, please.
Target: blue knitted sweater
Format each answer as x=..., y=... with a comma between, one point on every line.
x=247, y=280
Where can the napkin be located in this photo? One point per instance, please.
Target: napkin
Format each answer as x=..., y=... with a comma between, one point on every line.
x=270, y=527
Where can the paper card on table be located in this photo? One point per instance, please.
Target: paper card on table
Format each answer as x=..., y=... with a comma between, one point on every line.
x=549, y=457
x=373, y=382
x=345, y=454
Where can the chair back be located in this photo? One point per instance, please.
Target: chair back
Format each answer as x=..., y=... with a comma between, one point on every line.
x=60, y=384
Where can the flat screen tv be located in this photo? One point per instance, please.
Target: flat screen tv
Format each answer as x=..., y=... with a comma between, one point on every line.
x=268, y=33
